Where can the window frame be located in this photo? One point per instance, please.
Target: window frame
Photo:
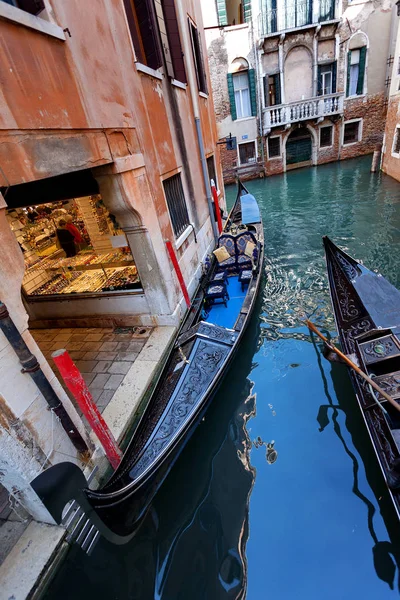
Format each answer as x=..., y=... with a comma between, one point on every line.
x=209, y=158
x=141, y=59
x=240, y=164
x=332, y=136
x=360, y=128
x=279, y=157
x=396, y=138
x=198, y=57
x=17, y=15
x=363, y=50
x=243, y=72
x=181, y=236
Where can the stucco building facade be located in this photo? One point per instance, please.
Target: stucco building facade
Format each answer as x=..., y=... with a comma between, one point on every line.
x=322, y=73
x=104, y=105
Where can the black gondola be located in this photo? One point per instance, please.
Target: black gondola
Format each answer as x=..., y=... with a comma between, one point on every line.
x=367, y=313
x=207, y=341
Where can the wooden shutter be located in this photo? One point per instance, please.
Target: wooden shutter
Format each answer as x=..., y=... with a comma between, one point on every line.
x=231, y=93
x=204, y=88
x=221, y=11
x=266, y=89
x=164, y=38
x=253, y=92
x=348, y=73
x=134, y=31
x=175, y=47
x=278, y=96
x=148, y=33
x=247, y=10
x=34, y=7
x=334, y=77
x=361, y=70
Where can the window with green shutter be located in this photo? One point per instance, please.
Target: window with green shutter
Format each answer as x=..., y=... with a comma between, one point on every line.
x=247, y=10
x=253, y=92
x=242, y=94
x=221, y=12
x=272, y=89
x=231, y=94
x=356, y=71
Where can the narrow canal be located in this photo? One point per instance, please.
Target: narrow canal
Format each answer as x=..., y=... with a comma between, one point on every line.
x=317, y=523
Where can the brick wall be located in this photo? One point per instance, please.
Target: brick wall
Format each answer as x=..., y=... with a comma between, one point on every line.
x=391, y=164
x=372, y=110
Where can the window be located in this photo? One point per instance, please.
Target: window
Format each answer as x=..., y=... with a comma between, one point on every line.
x=298, y=13
x=325, y=136
x=143, y=28
x=171, y=40
x=351, y=133
x=326, y=79
x=242, y=95
x=272, y=89
x=34, y=7
x=274, y=147
x=326, y=10
x=176, y=203
x=356, y=71
x=247, y=153
x=211, y=170
x=198, y=58
x=396, y=142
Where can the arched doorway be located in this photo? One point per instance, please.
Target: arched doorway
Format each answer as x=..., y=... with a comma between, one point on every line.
x=299, y=147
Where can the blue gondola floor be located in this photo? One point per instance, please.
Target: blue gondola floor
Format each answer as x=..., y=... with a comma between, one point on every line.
x=226, y=316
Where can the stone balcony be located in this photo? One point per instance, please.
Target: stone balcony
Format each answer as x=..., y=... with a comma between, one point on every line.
x=319, y=107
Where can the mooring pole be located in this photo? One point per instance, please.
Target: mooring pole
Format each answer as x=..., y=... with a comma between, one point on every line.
x=77, y=386
x=31, y=366
x=178, y=272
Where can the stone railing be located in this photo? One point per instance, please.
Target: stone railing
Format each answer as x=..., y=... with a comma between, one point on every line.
x=313, y=108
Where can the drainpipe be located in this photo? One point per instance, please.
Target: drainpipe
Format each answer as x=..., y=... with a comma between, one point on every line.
x=315, y=61
x=31, y=366
x=187, y=51
x=257, y=63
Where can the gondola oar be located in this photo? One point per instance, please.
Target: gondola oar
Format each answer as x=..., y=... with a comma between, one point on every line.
x=350, y=363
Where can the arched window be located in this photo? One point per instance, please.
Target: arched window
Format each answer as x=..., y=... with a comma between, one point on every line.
x=356, y=58
x=242, y=89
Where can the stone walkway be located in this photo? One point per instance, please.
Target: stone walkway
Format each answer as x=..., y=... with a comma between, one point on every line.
x=103, y=356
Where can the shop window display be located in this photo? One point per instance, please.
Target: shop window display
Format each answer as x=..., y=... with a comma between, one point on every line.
x=73, y=247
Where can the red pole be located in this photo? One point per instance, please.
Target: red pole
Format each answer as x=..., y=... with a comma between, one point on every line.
x=217, y=210
x=77, y=386
x=178, y=271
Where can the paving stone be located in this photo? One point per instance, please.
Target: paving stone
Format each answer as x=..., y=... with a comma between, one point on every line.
x=48, y=337
x=123, y=346
x=88, y=377
x=45, y=345
x=100, y=380
x=77, y=354
x=74, y=345
x=130, y=356
x=89, y=355
x=62, y=337
x=136, y=346
x=94, y=337
x=106, y=355
x=86, y=366
x=108, y=346
x=78, y=337
x=104, y=399
x=96, y=392
x=123, y=337
x=58, y=346
x=114, y=381
x=119, y=367
x=109, y=337
x=103, y=366
x=91, y=346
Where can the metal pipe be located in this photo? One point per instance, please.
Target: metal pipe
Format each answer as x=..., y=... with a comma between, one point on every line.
x=205, y=176
x=31, y=366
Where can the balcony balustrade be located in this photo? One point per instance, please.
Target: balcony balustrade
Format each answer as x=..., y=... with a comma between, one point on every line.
x=293, y=14
x=303, y=110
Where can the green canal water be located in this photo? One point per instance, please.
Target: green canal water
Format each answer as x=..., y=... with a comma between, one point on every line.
x=317, y=523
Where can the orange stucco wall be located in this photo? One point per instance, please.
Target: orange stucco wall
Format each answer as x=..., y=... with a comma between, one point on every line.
x=80, y=103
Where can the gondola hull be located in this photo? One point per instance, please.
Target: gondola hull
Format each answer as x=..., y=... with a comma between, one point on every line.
x=202, y=354
x=367, y=314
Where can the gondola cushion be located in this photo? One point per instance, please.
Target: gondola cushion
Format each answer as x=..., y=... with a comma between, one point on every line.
x=221, y=254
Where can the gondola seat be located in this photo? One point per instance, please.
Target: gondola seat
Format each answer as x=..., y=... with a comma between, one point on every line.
x=245, y=277
x=216, y=291
x=242, y=249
